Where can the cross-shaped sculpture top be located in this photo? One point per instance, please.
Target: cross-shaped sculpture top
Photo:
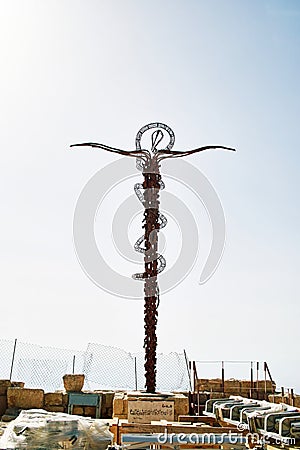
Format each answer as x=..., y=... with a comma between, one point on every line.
x=156, y=138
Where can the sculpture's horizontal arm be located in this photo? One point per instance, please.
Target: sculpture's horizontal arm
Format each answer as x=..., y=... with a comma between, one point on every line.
x=163, y=154
x=134, y=153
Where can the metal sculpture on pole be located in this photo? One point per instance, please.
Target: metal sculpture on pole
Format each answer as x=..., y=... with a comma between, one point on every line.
x=148, y=162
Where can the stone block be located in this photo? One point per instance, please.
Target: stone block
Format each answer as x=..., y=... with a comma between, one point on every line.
x=217, y=395
x=261, y=384
x=203, y=397
x=10, y=414
x=125, y=407
x=25, y=398
x=108, y=413
x=144, y=411
x=78, y=410
x=90, y=411
x=107, y=399
x=3, y=404
x=181, y=406
x=114, y=429
x=118, y=405
x=297, y=401
x=53, y=399
x=65, y=399
x=206, y=384
x=245, y=387
x=232, y=387
x=4, y=385
x=7, y=418
x=275, y=398
x=17, y=384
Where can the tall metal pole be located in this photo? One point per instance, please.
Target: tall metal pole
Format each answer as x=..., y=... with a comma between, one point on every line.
x=151, y=226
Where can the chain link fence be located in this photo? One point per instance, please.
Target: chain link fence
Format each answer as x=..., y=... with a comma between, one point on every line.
x=104, y=367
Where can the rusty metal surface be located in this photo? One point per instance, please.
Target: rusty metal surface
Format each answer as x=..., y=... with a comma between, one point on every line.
x=151, y=225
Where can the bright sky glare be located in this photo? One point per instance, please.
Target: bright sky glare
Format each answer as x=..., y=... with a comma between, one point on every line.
x=218, y=72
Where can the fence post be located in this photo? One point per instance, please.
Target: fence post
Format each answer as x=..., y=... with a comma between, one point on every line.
x=13, y=360
x=188, y=369
x=257, y=377
x=265, y=374
x=251, y=379
x=223, y=377
x=73, y=368
x=195, y=376
x=135, y=374
x=270, y=376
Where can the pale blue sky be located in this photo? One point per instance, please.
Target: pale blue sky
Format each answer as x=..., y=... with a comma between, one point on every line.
x=224, y=72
